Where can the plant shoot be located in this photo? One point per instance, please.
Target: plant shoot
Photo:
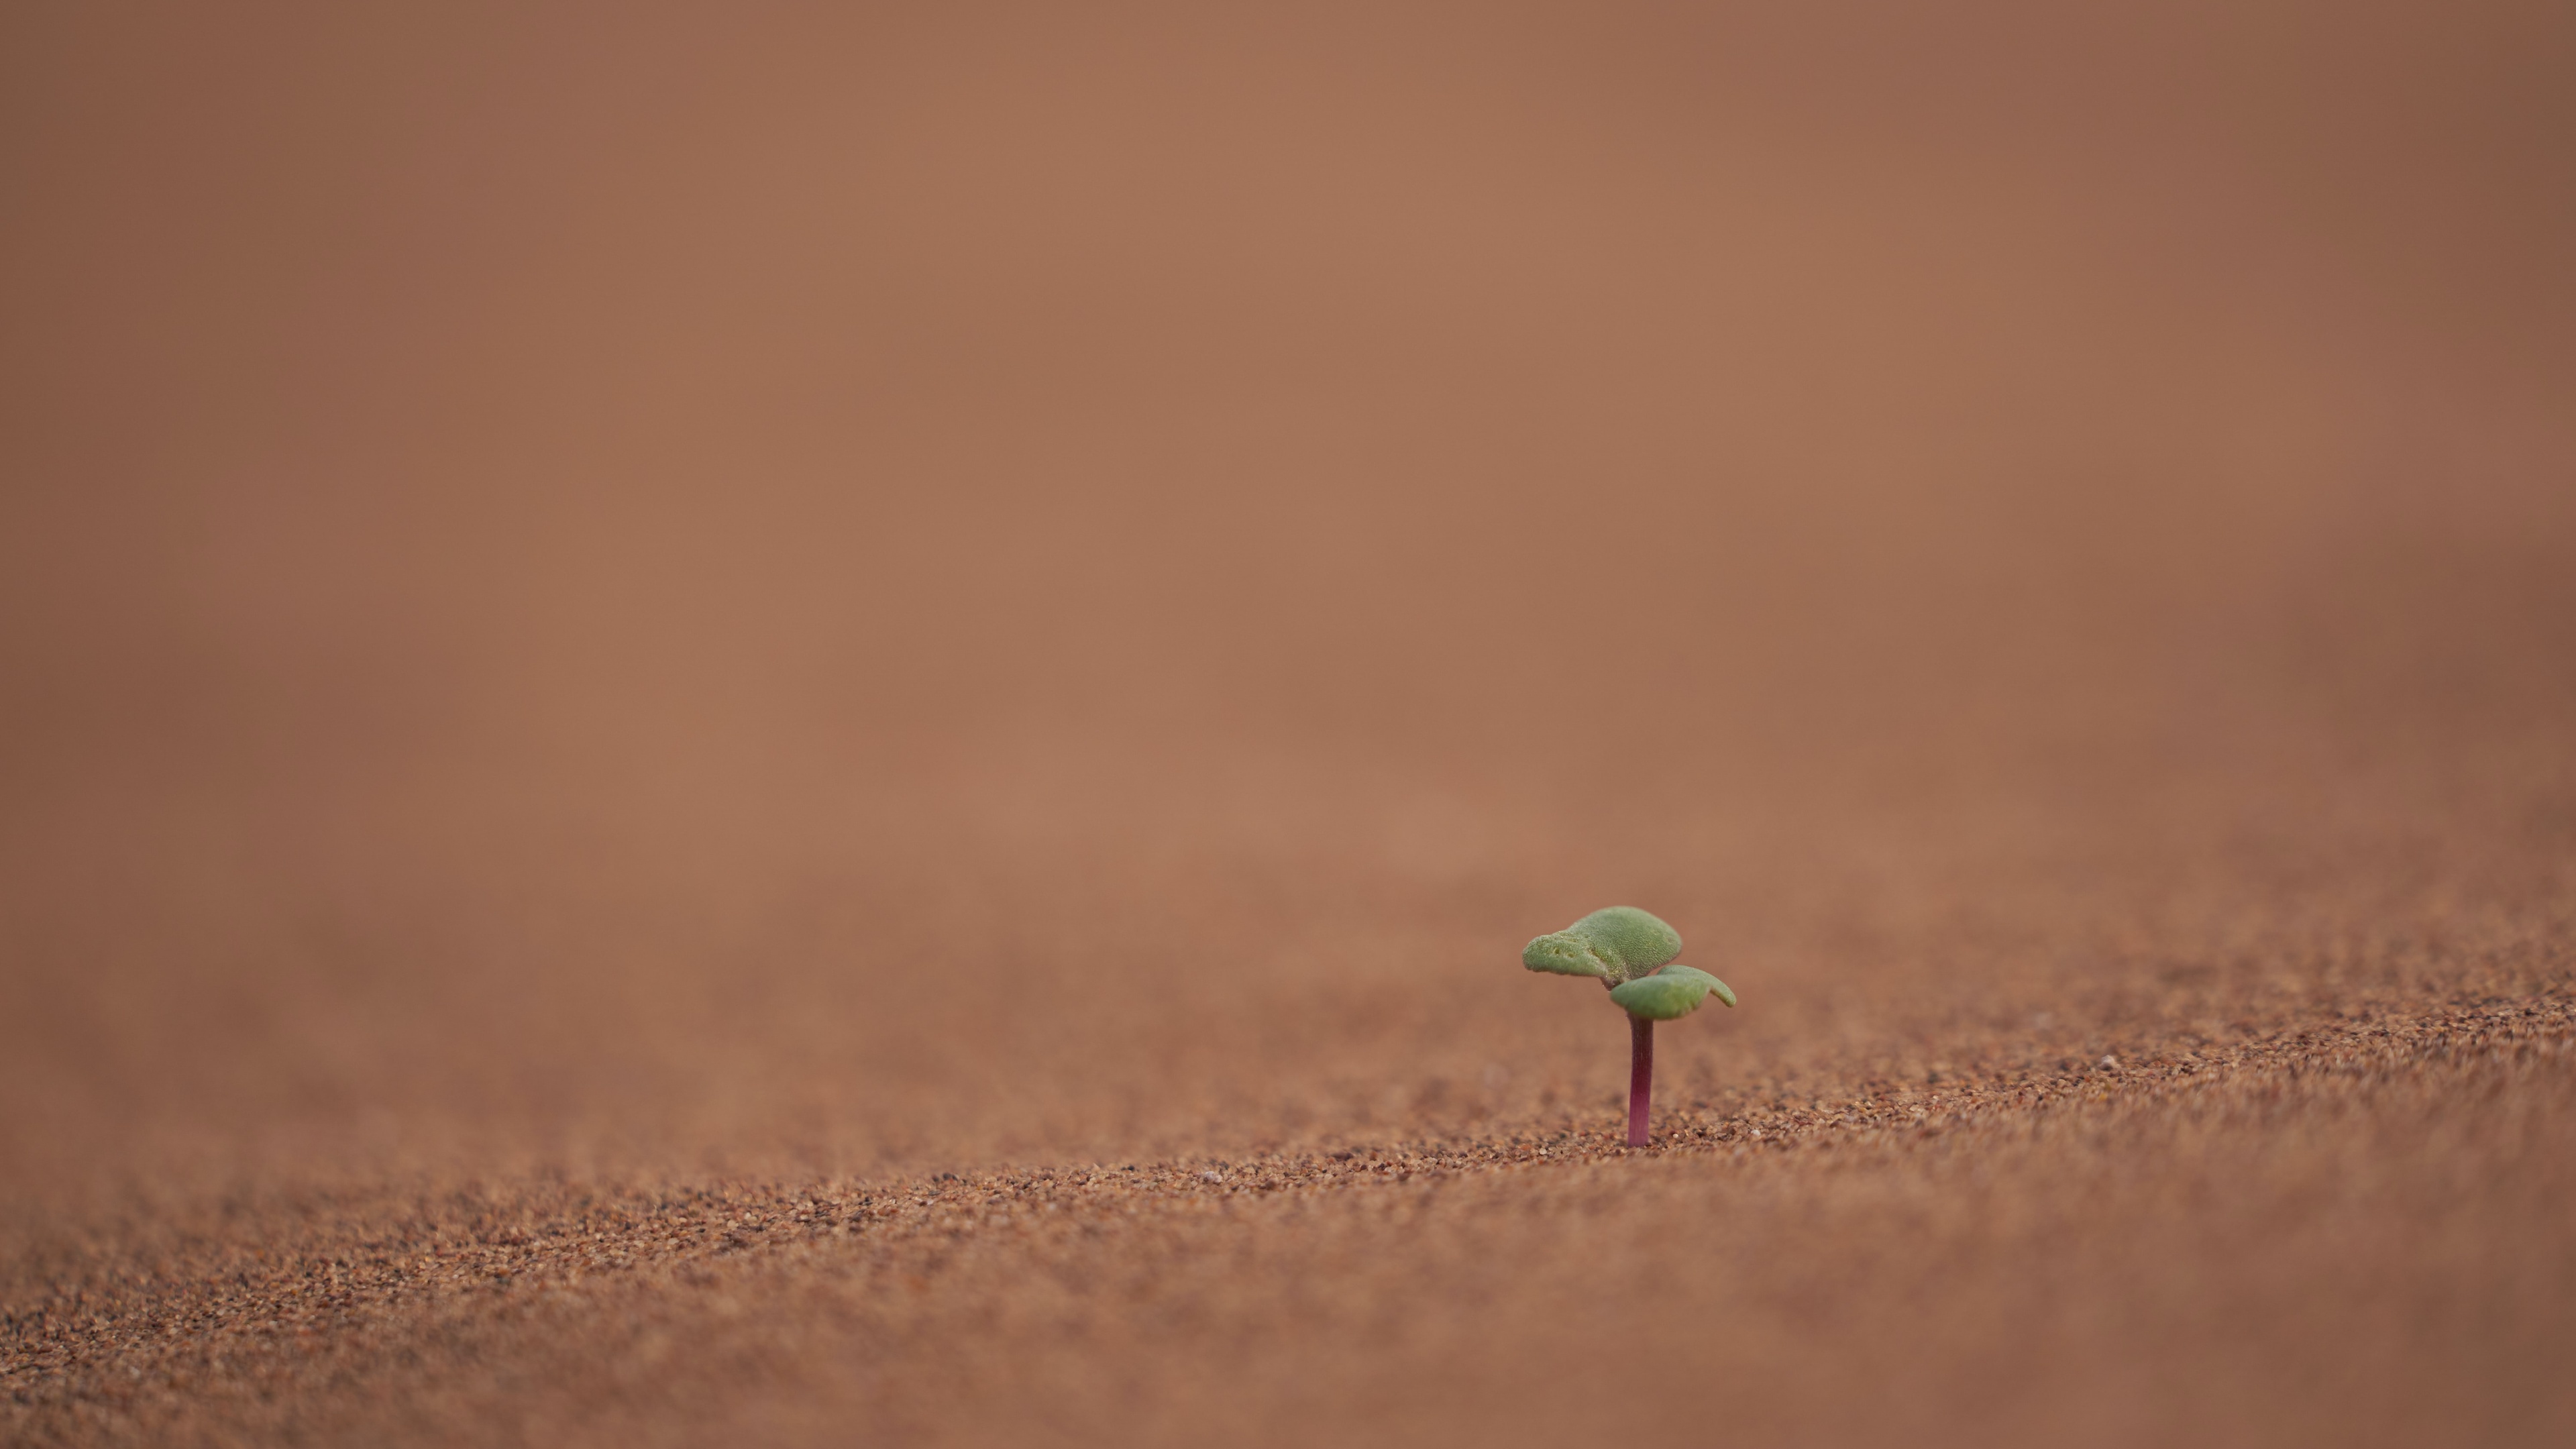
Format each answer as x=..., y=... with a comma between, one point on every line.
x=1632, y=954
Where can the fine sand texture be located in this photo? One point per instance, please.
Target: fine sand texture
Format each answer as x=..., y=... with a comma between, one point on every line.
x=767, y=726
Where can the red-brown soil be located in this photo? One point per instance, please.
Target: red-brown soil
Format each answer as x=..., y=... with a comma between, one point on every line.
x=791, y=729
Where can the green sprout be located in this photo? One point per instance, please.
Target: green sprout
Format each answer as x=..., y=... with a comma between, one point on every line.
x=1632, y=953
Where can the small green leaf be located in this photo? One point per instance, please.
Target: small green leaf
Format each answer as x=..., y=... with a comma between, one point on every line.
x=1724, y=993
x=1671, y=992
x=1631, y=940
x=1566, y=954
x=1618, y=944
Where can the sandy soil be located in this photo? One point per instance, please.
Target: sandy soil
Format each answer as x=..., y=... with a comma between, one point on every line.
x=824, y=728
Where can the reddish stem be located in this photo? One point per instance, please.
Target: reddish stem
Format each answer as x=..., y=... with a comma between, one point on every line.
x=1641, y=1077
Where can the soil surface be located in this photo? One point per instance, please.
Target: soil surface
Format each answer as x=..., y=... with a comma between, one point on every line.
x=781, y=729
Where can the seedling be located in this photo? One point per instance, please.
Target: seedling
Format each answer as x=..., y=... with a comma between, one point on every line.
x=1632, y=953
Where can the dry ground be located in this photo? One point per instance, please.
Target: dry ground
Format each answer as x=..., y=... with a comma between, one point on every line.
x=822, y=728
x=2353, y=1231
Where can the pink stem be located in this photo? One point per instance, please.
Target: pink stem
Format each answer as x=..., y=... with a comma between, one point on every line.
x=1641, y=1077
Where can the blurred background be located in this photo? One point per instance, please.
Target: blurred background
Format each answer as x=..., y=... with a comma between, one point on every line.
x=829, y=589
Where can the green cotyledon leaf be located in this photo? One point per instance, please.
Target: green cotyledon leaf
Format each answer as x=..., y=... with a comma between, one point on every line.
x=1617, y=944
x=1566, y=954
x=1671, y=992
x=1724, y=993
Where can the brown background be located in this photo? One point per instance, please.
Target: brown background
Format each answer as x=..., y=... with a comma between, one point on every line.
x=626, y=602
